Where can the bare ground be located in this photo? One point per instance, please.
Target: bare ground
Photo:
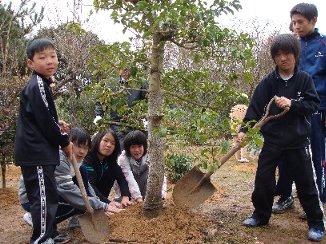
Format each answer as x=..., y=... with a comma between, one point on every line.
x=218, y=220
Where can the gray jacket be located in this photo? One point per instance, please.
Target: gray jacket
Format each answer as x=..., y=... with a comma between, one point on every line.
x=66, y=188
x=69, y=191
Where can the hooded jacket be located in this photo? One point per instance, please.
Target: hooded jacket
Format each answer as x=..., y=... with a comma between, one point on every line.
x=313, y=61
x=106, y=171
x=38, y=135
x=292, y=130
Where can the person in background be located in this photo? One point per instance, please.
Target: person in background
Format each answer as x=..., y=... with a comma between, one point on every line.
x=134, y=165
x=285, y=138
x=132, y=96
x=103, y=169
x=313, y=61
x=38, y=138
x=236, y=115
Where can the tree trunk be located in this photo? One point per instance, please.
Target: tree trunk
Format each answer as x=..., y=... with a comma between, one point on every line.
x=153, y=201
x=3, y=170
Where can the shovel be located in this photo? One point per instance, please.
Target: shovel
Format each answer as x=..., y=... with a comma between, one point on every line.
x=94, y=223
x=195, y=186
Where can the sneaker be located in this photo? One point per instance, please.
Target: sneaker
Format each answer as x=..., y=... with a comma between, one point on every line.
x=28, y=218
x=243, y=160
x=282, y=205
x=48, y=241
x=253, y=222
x=61, y=237
x=315, y=234
x=303, y=216
x=73, y=222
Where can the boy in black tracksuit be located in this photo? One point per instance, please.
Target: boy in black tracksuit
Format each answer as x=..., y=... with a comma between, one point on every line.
x=38, y=137
x=286, y=137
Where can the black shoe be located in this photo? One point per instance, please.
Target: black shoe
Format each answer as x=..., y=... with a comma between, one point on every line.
x=303, y=216
x=283, y=205
x=61, y=237
x=253, y=222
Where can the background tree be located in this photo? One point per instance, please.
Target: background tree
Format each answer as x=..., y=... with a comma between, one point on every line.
x=14, y=25
x=74, y=47
x=190, y=25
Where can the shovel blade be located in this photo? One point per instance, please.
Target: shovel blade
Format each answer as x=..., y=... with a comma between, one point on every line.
x=94, y=226
x=188, y=194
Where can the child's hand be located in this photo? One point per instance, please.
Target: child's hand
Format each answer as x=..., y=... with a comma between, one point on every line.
x=113, y=208
x=138, y=200
x=125, y=202
x=68, y=151
x=64, y=127
x=116, y=204
x=283, y=102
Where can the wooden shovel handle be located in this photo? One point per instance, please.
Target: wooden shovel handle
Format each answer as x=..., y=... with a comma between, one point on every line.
x=266, y=117
x=81, y=184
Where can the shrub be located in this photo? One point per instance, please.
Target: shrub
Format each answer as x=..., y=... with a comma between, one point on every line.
x=177, y=166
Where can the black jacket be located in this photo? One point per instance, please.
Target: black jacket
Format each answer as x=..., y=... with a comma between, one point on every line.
x=132, y=96
x=38, y=135
x=102, y=174
x=293, y=129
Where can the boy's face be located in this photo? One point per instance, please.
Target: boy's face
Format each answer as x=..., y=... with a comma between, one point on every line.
x=285, y=62
x=44, y=62
x=80, y=151
x=136, y=151
x=302, y=26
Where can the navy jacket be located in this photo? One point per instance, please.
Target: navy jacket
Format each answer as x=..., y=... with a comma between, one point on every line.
x=38, y=135
x=313, y=61
x=292, y=130
x=102, y=174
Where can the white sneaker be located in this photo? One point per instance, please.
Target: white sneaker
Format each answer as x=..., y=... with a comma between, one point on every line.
x=28, y=218
x=73, y=222
x=243, y=160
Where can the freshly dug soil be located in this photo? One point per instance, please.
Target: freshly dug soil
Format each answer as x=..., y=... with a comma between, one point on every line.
x=218, y=220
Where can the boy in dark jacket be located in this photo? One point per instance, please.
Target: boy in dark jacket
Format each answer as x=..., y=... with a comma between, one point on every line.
x=38, y=137
x=313, y=61
x=286, y=138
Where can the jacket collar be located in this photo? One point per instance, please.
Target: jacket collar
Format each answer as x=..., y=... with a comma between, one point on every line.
x=277, y=75
x=311, y=36
x=47, y=80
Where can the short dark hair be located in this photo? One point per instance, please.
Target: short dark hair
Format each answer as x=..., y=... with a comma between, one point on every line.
x=308, y=10
x=135, y=137
x=291, y=27
x=97, y=140
x=287, y=43
x=38, y=45
x=79, y=136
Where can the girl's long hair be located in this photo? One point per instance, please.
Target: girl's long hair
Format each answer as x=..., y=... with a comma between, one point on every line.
x=96, y=145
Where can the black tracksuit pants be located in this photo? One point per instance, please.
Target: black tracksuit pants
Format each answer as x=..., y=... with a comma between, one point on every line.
x=42, y=195
x=298, y=162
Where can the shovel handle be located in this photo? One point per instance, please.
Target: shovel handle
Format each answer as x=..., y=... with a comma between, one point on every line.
x=266, y=117
x=81, y=184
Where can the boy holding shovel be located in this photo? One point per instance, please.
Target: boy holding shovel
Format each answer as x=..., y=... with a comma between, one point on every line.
x=287, y=137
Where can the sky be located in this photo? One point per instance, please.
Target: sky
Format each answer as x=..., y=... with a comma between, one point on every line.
x=273, y=14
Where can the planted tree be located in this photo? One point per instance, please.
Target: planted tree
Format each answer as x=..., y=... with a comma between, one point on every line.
x=192, y=26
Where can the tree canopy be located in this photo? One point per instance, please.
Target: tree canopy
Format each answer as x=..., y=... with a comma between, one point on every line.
x=195, y=94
